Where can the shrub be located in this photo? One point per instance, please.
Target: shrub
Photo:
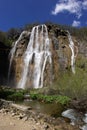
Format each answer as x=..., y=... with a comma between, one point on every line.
x=18, y=96
x=5, y=93
x=64, y=100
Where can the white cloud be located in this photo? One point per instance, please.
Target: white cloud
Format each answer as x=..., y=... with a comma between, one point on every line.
x=84, y=4
x=76, y=23
x=72, y=6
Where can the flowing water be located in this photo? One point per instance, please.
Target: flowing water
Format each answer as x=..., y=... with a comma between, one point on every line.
x=36, y=57
x=51, y=109
x=76, y=118
x=12, y=52
x=38, y=52
x=71, y=45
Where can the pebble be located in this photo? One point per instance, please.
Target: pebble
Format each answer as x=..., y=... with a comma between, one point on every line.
x=12, y=124
x=46, y=127
x=25, y=118
x=13, y=114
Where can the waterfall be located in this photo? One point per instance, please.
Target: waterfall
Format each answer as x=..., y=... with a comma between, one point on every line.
x=71, y=45
x=12, y=52
x=37, y=55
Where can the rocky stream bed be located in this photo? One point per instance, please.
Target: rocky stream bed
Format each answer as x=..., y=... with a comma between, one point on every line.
x=39, y=120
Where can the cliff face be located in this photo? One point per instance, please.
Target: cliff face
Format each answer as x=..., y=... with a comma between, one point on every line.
x=16, y=60
x=62, y=54
x=59, y=47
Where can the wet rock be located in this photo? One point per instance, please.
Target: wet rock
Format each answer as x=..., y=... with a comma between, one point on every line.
x=79, y=105
x=60, y=56
x=84, y=127
x=47, y=122
x=85, y=118
x=27, y=96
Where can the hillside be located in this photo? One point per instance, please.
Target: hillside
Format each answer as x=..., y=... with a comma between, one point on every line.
x=64, y=81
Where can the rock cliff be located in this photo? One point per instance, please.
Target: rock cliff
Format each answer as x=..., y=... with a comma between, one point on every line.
x=65, y=56
x=62, y=53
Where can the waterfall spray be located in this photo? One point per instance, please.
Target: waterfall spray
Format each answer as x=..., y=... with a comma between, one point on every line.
x=71, y=45
x=12, y=52
x=38, y=52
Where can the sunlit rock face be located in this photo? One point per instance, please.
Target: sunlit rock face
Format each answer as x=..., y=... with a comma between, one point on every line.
x=16, y=58
x=38, y=56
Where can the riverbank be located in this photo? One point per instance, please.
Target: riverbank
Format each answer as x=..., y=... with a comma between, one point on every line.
x=7, y=122
x=16, y=117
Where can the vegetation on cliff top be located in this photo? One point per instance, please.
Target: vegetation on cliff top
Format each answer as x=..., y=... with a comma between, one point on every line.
x=12, y=34
x=73, y=86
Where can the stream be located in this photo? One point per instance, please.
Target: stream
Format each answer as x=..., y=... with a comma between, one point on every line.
x=57, y=110
x=51, y=109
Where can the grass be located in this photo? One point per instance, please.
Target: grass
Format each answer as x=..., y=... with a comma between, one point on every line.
x=67, y=86
x=12, y=94
x=64, y=100
x=18, y=95
x=74, y=85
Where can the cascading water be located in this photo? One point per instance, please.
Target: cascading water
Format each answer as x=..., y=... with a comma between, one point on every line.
x=38, y=52
x=71, y=45
x=36, y=59
x=12, y=52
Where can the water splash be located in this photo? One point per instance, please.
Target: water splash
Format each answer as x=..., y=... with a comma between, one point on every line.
x=84, y=127
x=70, y=114
x=38, y=52
x=71, y=45
x=12, y=52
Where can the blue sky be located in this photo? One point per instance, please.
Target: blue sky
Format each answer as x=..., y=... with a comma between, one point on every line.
x=17, y=13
